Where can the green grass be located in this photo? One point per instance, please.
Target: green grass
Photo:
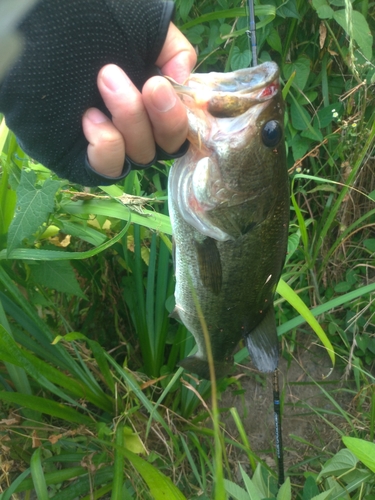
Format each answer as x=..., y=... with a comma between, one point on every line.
x=91, y=402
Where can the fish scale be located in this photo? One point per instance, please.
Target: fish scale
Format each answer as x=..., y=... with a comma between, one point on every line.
x=229, y=208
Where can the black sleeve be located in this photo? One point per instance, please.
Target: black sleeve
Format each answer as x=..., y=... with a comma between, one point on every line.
x=66, y=43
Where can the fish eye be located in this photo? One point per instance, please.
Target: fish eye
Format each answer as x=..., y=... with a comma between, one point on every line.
x=271, y=133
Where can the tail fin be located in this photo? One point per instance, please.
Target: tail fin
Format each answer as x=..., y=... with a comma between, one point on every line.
x=263, y=344
x=201, y=367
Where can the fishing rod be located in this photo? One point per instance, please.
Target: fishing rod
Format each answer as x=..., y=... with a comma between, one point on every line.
x=251, y=33
x=278, y=429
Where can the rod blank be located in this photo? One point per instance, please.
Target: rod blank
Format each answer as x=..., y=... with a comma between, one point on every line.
x=251, y=33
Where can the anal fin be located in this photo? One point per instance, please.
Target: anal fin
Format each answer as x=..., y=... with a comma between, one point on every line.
x=201, y=367
x=263, y=343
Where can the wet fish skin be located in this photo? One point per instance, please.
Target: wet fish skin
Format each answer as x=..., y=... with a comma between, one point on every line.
x=229, y=208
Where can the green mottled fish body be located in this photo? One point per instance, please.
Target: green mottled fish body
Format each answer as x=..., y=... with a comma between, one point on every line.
x=229, y=207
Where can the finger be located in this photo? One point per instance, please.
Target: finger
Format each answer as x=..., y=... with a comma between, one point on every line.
x=178, y=57
x=125, y=103
x=166, y=112
x=106, y=150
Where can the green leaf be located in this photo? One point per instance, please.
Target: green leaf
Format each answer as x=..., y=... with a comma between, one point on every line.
x=274, y=41
x=342, y=287
x=33, y=207
x=293, y=242
x=240, y=59
x=235, y=491
x=268, y=11
x=362, y=341
x=289, y=9
x=363, y=450
x=302, y=69
x=85, y=233
x=161, y=487
x=285, y=492
x=361, y=31
x=312, y=133
x=338, y=3
x=324, y=495
x=194, y=34
x=132, y=441
x=57, y=275
x=185, y=7
x=325, y=115
x=310, y=489
x=343, y=461
x=300, y=116
x=317, y=4
x=369, y=244
x=260, y=483
x=325, y=12
x=253, y=491
x=300, y=146
x=322, y=8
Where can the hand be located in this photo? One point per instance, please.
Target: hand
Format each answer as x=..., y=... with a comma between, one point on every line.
x=139, y=120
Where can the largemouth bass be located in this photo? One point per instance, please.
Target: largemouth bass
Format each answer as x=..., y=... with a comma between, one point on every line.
x=229, y=208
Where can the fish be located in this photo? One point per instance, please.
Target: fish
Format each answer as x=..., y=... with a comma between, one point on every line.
x=229, y=210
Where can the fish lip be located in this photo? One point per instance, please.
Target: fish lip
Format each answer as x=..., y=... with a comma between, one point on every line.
x=242, y=81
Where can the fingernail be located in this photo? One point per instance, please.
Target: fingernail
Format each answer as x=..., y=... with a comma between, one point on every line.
x=163, y=97
x=114, y=78
x=96, y=116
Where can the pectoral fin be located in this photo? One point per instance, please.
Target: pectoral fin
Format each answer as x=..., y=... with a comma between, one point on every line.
x=263, y=344
x=209, y=262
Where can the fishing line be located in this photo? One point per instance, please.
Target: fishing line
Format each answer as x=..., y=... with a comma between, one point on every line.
x=251, y=33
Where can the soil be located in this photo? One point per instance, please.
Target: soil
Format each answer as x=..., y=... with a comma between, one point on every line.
x=309, y=416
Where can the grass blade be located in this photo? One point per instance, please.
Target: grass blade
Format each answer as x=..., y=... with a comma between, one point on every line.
x=111, y=208
x=290, y=295
x=161, y=487
x=15, y=485
x=328, y=306
x=47, y=376
x=37, y=475
x=46, y=406
x=118, y=468
x=242, y=433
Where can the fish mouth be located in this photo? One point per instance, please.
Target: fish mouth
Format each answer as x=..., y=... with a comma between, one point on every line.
x=230, y=94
